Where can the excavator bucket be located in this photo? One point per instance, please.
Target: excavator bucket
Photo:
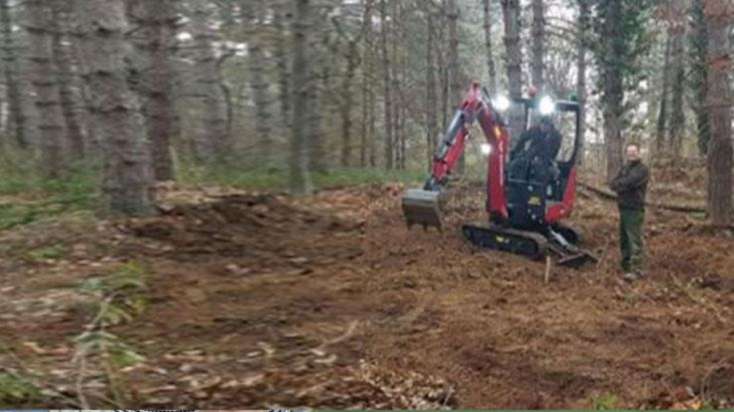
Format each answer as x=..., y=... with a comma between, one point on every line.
x=422, y=207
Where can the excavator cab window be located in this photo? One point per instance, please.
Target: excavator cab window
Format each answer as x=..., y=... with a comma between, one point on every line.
x=564, y=119
x=565, y=122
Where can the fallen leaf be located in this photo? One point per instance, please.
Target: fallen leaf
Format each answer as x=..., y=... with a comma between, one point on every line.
x=253, y=380
x=166, y=388
x=269, y=350
x=214, y=381
x=326, y=361
x=35, y=348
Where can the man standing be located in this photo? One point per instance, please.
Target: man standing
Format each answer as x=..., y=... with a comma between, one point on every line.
x=631, y=186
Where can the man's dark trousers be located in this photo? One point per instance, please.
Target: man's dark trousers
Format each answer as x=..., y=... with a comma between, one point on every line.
x=630, y=236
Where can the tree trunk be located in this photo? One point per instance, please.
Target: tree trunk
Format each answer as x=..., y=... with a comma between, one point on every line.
x=718, y=17
x=431, y=115
x=387, y=79
x=64, y=66
x=348, y=101
x=396, y=82
x=663, y=107
x=403, y=113
x=14, y=97
x=612, y=86
x=454, y=77
x=677, y=120
x=260, y=90
x=128, y=175
x=281, y=57
x=373, y=128
x=511, y=17
x=211, y=140
x=366, y=151
x=584, y=29
x=319, y=78
x=699, y=73
x=488, y=45
x=45, y=82
x=538, y=48
x=300, y=182
x=444, y=88
x=158, y=22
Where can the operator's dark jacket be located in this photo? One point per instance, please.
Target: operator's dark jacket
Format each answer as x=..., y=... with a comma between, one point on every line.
x=631, y=185
x=545, y=145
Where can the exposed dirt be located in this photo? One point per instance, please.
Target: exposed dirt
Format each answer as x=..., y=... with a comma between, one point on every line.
x=262, y=300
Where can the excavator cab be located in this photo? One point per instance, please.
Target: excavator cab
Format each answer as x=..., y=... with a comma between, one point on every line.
x=536, y=185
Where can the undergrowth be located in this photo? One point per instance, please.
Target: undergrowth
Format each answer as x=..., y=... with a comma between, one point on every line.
x=26, y=196
x=277, y=179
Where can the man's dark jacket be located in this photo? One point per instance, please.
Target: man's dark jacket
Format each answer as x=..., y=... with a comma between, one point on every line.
x=631, y=186
x=543, y=144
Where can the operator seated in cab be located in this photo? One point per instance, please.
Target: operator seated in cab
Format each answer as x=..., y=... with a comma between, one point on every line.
x=534, y=155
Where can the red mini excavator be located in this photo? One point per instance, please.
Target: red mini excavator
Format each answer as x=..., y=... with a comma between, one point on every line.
x=525, y=208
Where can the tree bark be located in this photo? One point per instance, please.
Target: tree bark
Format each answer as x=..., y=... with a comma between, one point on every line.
x=488, y=45
x=454, y=76
x=14, y=97
x=677, y=116
x=45, y=82
x=128, y=175
x=64, y=67
x=511, y=17
x=387, y=79
x=367, y=148
x=719, y=15
x=158, y=38
x=538, y=48
x=300, y=182
x=319, y=79
x=584, y=29
x=699, y=73
x=663, y=107
x=281, y=61
x=612, y=85
x=346, y=97
x=431, y=115
x=260, y=89
x=211, y=140
x=348, y=102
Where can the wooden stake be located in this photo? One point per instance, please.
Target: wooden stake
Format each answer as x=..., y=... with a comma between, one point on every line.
x=548, y=261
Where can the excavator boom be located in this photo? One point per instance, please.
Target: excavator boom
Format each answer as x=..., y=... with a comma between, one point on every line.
x=422, y=207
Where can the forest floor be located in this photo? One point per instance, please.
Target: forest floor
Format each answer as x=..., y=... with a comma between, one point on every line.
x=235, y=299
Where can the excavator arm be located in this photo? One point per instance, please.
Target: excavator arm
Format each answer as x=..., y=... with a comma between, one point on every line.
x=423, y=206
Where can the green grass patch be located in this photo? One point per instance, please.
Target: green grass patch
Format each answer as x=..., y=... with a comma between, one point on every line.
x=274, y=179
x=25, y=197
x=605, y=402
x=16, y=390
x=46, y=253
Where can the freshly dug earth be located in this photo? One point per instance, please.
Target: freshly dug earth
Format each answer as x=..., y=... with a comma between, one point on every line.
x=261, y=300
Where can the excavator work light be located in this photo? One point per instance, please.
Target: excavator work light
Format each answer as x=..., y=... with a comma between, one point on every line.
x=486, y=149
x=501, y=103
x=546, y=106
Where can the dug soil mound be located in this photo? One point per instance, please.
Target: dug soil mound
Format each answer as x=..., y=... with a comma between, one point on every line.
x=266, y=230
